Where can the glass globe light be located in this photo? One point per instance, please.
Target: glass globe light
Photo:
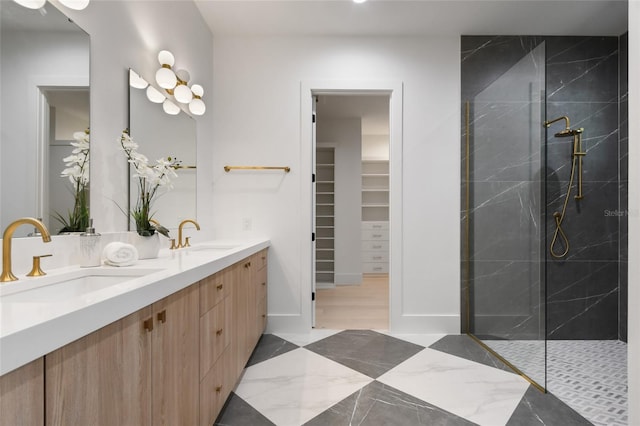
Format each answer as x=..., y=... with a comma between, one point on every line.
x=197, y=90
x=170, y=108
x=197, y=107
x=154, y=95
x=166, y=58
x=182, y=93
x=166, y=78
x=75, y=4
x=136, y=81
x=31, y=4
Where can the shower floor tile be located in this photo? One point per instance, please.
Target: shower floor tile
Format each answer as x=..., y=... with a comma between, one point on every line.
x=590, y=376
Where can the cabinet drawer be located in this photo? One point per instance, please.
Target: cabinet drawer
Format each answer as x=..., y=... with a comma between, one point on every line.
x=375, y=245
x=375, y=268
x=215, y=333
x=375, y=234
x=260, y=259
x=375, y=225
x=214, y=288
x=215, y=387
x=261, y=284
x=375, y=257
x=261, y=307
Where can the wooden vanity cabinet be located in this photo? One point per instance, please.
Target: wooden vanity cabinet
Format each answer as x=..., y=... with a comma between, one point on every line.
x=140, y=370
x=174, y=362
x=22, y=395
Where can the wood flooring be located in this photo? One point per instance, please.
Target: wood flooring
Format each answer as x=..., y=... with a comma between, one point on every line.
x=355, y=307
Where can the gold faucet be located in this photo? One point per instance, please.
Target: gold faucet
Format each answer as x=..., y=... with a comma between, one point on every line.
x=185, y=243
x=7, y=275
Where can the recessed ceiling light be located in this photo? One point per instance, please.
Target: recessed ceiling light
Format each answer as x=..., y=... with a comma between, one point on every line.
x=359, y=1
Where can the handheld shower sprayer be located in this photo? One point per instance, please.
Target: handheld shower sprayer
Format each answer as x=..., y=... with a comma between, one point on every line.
x=576, y=153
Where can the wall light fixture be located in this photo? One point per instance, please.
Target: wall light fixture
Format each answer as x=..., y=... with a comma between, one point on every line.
x=176, y=84
x=37, y=4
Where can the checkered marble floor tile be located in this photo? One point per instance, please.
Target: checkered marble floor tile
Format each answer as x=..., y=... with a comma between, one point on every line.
x=363, y=377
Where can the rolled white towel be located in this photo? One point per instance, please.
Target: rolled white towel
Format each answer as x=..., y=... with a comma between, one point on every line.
x=119, y=254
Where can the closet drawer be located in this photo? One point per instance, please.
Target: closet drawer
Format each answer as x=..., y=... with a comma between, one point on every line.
x=375, y=268
x=375, y=225
x=375, y=245
x=373, y=256
x=375, y=234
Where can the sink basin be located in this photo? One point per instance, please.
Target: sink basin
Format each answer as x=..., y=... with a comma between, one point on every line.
x=212, y=248
x=67, y=286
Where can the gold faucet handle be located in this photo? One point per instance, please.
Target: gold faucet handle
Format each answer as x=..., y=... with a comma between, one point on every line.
x=173, y=244
x=186, y=242
x=36, y=271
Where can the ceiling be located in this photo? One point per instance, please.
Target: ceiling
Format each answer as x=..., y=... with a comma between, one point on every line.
x=414, y=17
x=373, y=110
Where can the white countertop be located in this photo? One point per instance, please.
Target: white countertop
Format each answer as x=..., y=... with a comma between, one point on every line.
x=30, y=329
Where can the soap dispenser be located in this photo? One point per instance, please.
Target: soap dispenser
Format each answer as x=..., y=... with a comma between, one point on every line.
x=90, y=249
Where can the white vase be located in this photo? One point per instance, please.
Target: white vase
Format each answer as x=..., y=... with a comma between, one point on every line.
x=148, y=247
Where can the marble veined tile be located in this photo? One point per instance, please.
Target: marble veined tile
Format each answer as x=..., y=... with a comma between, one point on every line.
x=480, y=394
x=425, y=340
x=294, y=387
x=304, y=339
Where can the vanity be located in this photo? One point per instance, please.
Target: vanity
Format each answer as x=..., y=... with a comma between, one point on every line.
x=163, y=346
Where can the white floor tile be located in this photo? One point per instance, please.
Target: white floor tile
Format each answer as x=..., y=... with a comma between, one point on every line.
x=292, y=388
x=481, y=394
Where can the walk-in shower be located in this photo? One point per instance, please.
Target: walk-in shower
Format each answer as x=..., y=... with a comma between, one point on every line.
x=544, y=212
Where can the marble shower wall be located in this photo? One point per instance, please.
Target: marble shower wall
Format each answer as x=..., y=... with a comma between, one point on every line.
x=583, y=288
x=624, y=187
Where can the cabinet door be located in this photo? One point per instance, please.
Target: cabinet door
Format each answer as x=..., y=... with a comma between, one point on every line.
x=242, y=312
x=22, y=395
x=176, y=358
x=103, y=378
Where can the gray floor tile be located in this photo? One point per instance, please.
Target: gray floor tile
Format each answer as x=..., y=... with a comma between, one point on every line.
x=236, y=412
x=269, y=346
x=465, y=347
x=537, y=408
x=377, y=404
x=365, y=351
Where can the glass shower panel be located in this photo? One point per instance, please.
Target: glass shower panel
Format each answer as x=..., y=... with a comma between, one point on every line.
x=505, y=213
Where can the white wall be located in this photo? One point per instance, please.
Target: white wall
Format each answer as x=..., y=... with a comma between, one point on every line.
x=375, y=147
x=128, y=34
x=634, y=216
x=257, y=120
x=346, y=135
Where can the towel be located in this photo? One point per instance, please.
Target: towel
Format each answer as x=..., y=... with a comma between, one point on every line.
x=119, y=254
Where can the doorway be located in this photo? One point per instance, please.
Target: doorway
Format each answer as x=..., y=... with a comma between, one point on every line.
x=352, y=195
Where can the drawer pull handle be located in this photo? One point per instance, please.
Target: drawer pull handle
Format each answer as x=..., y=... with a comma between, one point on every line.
x=218, y=332
x=377, y=246
x=264, y=316
x=218, y=389
x=148, y=324
x=219, y=286
x=264, y=283
x=162, y=316
x=247, y=265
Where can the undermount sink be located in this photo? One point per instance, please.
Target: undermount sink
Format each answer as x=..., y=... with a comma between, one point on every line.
x=67, y=286
x=212, y=248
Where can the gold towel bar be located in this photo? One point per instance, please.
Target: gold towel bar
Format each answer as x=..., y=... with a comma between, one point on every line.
x=229, y=168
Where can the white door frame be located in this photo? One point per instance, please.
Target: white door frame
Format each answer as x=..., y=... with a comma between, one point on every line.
x=309, y=89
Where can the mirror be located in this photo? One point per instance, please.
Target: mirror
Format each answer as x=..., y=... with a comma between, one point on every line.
x=160, y=135
x=44, y=95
